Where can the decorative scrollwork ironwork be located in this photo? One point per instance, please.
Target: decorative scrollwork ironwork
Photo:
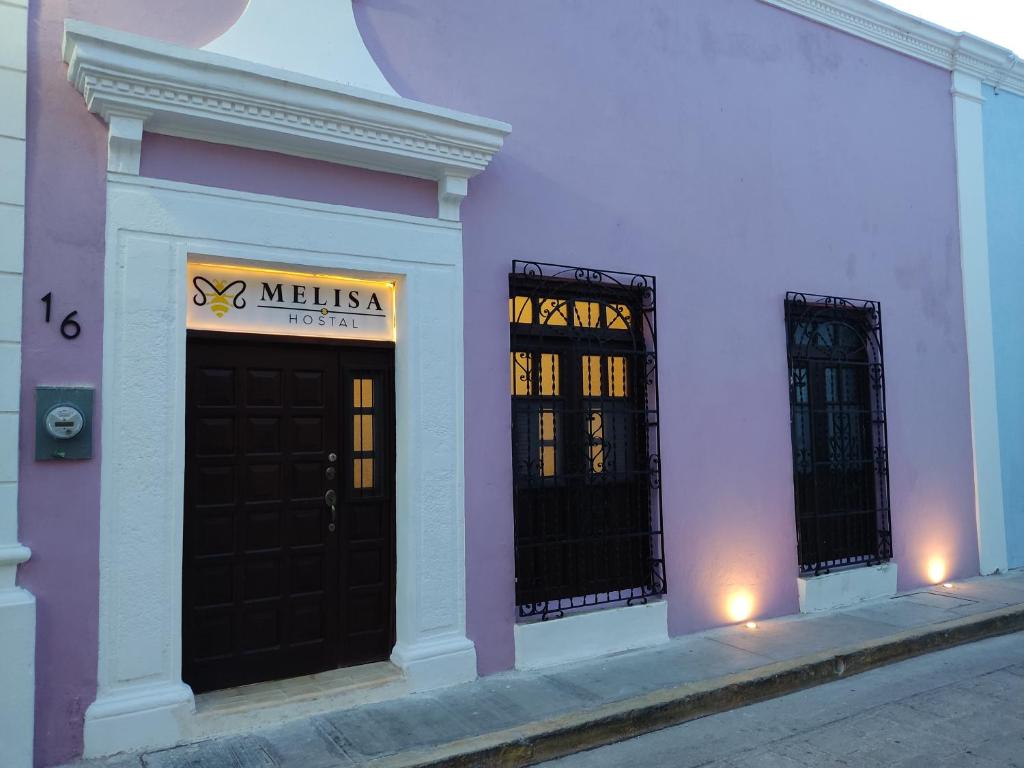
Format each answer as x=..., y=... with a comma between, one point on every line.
x=839, y=433
x=585, y=440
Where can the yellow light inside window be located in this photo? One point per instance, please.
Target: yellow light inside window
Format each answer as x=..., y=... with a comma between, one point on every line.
x=553, y=312
x=617, y=376
x=362, y=393
x=362, y=433
x=520, y=310
x=548, y=384
x=596, y=448
x=547, y=425
x=546, y=431
x=587, y=314
x=547, y=461
x=592, y=376
x=362, y=474
x=618, y=317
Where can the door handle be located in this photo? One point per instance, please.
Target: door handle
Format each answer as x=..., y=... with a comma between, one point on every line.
x=331, y=499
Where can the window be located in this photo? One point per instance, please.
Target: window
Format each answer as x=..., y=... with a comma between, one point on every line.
x=364, y=451
x=586, y=473
x=840, y=452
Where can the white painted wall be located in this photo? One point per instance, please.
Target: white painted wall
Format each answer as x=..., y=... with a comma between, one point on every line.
x=152, y=227
x=17, y=607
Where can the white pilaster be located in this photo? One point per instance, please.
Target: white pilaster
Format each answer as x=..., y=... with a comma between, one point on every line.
x=17, y=606
x=970, y=163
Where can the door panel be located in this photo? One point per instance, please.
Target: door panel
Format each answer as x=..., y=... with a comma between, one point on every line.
x=366, y=576
x=259, y=594
x=269, y=590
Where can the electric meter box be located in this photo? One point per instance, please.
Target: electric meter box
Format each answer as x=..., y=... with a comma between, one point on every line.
x=64, y=423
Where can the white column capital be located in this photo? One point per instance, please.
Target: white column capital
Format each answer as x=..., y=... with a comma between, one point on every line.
x=966, y=86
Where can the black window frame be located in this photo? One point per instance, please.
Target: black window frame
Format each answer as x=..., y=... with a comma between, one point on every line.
x=839, y=432
x=588, y=531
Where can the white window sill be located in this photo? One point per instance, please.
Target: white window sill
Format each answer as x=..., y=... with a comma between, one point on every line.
x=581, y=636
x=847, y=587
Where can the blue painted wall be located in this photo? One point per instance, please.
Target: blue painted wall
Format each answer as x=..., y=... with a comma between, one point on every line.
x=1004, y=168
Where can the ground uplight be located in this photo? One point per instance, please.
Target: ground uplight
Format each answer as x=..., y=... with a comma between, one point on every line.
x=740, y=607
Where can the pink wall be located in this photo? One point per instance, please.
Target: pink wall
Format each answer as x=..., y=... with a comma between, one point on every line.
x=735, y=151
x=731, y=149
x=59, y=503
x=269, y=173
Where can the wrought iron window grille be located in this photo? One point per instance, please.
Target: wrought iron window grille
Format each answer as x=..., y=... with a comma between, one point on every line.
x=585, y=439
x=839, y=436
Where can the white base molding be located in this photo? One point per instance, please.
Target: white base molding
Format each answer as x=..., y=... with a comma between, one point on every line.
x=590, y=635
x=137, y=717
x=436, y=663
x=17, y=677
x=844, y=588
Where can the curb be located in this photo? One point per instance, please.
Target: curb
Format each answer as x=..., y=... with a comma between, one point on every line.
x=549, y=739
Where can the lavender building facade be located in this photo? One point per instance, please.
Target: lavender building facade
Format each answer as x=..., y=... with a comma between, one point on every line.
x=441, y=339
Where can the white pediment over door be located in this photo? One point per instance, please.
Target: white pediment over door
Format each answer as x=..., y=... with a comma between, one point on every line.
x=292, y=77
x=318, y=38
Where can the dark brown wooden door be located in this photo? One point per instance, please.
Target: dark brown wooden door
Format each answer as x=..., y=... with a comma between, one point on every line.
x=289, y=510
x=366, y=529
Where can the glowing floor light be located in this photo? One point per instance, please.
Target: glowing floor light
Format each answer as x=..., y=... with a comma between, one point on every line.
x=936, y=570
x=740, y=606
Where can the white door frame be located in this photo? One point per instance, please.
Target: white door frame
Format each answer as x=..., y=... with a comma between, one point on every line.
x=152, y=228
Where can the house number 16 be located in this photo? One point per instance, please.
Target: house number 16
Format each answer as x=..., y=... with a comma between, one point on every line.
x=69, y=327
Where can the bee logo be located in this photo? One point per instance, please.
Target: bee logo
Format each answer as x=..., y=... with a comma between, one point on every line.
x=217, y=295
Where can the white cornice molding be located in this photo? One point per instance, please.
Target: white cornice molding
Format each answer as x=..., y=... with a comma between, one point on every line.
x=127, y=80
x=888, y=27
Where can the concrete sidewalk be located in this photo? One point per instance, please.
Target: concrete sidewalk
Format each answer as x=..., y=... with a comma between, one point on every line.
x=521, y=718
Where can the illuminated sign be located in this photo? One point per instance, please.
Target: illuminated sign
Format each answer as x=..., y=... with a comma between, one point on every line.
x=225, y=297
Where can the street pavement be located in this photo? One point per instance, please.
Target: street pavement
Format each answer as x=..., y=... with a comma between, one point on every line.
x=960, y=708
x=519, y=708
